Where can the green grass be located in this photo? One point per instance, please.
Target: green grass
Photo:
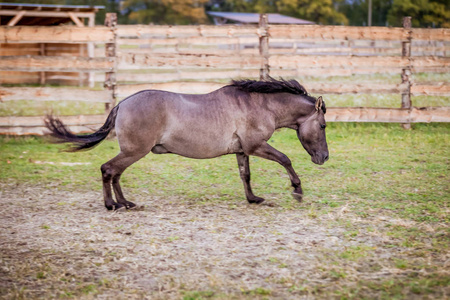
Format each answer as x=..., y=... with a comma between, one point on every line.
x=372, y=167
x=41, y=108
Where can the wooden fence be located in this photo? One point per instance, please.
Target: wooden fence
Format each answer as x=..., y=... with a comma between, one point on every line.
x=199, y=59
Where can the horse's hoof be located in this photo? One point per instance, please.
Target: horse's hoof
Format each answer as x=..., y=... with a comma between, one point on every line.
x=114, y=206
x=255, y=200
x=297, y=196
x=137, y=208
x=130, y=205
x=119, y=208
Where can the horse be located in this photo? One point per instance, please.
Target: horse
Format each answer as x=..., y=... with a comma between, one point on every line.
x=238, y=118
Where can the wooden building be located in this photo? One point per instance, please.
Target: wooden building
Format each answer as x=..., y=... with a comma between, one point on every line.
x=17, y=14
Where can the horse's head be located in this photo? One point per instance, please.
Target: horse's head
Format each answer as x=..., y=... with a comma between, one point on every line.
x=311, y=133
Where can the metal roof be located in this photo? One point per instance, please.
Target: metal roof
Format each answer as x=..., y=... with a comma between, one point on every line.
x=249, y=18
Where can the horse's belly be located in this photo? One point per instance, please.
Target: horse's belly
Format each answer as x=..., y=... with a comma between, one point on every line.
x=202, y=145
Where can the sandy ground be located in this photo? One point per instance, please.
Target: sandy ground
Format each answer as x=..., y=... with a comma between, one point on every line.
x=56, y=243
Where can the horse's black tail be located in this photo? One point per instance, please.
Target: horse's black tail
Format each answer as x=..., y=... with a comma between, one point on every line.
x=80, y=142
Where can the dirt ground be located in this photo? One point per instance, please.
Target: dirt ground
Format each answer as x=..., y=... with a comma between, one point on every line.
x=57, y=243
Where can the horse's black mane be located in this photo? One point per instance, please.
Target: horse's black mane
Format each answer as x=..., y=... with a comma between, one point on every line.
x=270, y=86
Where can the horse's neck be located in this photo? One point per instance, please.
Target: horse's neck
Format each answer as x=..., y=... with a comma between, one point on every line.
x=289, y=109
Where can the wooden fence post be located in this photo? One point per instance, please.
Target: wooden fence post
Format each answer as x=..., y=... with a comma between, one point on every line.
x=42, y=75
x=110, y=52
x=406, y=72
x=264, y=46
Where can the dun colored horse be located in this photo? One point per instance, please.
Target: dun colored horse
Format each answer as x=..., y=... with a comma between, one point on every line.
x=236, y=119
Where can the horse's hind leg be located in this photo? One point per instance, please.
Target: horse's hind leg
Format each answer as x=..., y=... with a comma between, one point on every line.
x=111, y=172
x=107, y=172
x=119, y=194
x=244, y=171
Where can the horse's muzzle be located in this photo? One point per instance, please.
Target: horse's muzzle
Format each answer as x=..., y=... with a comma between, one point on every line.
x=320, y=159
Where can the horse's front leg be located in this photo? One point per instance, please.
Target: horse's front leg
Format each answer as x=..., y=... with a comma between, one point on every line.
x=244, y=171
x=268, y=152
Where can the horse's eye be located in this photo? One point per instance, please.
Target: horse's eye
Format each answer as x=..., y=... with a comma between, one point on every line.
x=323, y=126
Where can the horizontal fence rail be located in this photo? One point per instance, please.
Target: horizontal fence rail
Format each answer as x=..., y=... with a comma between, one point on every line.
x=125, y=59
x=55, y=34
x=53, y=94
x=35, y=125
x=388, y=115
x=55, y=63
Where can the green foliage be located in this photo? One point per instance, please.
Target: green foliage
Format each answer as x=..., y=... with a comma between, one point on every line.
x=424, y=13
x=173, y=12
x=357, y=11
x=322, y=11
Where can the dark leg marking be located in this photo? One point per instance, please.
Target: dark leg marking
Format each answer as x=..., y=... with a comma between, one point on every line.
x=119, y=194
x=111, y=172
x=244, y=171
x=110, y=204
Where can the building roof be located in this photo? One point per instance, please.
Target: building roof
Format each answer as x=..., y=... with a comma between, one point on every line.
x=253, y=18
x=45, y=14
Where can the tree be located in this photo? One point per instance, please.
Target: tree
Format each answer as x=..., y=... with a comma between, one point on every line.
x=251, y=6
x=320, y=11
x=357, y=11
x=423, y=13
x=173, y=12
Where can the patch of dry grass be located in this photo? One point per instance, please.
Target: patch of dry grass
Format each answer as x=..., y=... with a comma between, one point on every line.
x=60, y=244
x=374, y=222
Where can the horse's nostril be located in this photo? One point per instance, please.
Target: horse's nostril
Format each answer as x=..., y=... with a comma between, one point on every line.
x=326, y=157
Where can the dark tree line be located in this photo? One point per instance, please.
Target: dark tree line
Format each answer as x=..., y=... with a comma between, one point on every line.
x=424, y=13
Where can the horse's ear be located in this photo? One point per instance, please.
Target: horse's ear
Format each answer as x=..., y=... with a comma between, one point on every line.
x=319, y=103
